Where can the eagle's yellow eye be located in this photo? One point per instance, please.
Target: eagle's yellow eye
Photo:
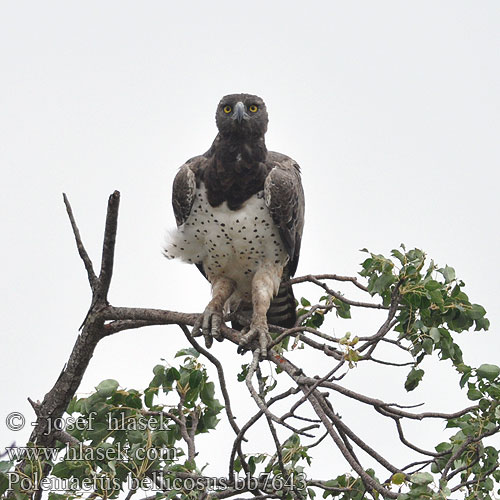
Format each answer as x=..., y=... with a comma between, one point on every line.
x=253, y=108
x=227, y=109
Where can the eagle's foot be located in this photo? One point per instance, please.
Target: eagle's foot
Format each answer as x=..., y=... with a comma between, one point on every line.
x=208, y=325
x=258, y=331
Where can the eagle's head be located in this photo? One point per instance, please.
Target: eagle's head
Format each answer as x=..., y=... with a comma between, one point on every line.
x=241, y=116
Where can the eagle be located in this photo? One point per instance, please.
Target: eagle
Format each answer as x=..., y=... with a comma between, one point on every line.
x=239, y=210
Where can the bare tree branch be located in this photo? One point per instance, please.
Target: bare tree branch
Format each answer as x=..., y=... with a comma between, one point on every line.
x=339, y=296
x=336, y=277
x=80, y=247
x=108, y=247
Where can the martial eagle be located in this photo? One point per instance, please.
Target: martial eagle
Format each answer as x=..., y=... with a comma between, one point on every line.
x=239, y=210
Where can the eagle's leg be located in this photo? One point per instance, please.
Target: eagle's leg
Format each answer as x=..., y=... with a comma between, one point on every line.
x=211, y=319
x=265, y=285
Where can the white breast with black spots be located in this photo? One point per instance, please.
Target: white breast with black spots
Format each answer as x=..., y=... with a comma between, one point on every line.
x=232, y=243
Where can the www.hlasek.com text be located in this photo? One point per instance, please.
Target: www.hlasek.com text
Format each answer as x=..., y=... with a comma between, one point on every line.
x=80, y=452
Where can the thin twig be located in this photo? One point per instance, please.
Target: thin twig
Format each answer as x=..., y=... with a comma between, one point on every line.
x=185, y=433
x=260, y=403
x=251, y=422
x=220, y=373
x=336, y=277
x=340, y=297
x=79, y=245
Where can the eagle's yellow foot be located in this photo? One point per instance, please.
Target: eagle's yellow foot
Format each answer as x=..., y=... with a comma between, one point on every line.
x=256, y=330
x=209, y=323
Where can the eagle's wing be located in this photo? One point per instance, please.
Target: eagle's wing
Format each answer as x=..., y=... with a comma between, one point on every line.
x=284, y=198
x=184, y=193
x=184, y=190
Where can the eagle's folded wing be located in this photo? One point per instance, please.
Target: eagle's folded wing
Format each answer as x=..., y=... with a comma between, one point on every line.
x=184, y=190
x=284, y=198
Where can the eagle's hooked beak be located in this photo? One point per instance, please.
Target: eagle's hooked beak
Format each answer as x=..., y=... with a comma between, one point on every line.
x=239, y=112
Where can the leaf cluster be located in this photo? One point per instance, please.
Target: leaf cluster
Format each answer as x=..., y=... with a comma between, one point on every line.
x=126, y=434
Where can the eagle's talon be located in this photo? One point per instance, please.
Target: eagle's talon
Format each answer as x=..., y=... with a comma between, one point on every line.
x=196, y=332
x=208, y=325
x=208, y=341
x=256, y=331
x=241, y=349
x=216, y=324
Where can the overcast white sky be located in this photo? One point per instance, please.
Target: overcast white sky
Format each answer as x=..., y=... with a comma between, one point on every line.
x=391, y=108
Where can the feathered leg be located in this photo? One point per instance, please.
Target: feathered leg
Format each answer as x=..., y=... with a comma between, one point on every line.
x=265, y=284
x=211, y=319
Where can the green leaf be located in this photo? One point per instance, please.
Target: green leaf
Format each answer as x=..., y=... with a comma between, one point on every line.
x=304, y=302
x=343, y=310
x=173, y=374
x=61, y=470
x=435, y=335
x=133, y=400
x=427, y=345
x=292, y=441
x=484, y=404
x=436, y=297
x=432, y=285
x=6, y=466
x=148, y=397
x=4, y=483
x=195, y=378
x=421, y=478
x=398, y=478
x=448, y=274
x=489, y=372
x=159, y=370
x=251, y=465
x=107, y=387
x=474, y=394
x=463, y=379
x=188, y=351
x=135, y=436
x=398, y=255
x=443, y=447
x=207, y=392
x=482, y=324
x=244, y=372
x=413, y=379
x=477, y=311
x=382, y=282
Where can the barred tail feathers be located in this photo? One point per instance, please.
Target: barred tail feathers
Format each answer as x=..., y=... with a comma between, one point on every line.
x=282, y=311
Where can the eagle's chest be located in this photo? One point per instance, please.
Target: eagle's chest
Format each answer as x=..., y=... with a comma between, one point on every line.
x=232, y=243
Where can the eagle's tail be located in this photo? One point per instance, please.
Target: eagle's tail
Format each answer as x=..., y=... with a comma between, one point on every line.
x=282, y=311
